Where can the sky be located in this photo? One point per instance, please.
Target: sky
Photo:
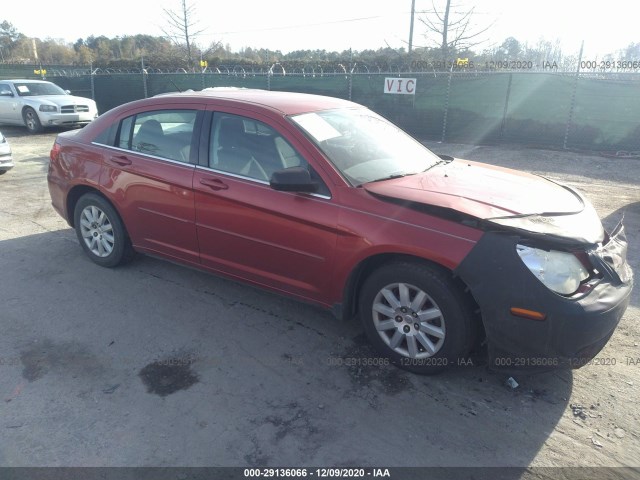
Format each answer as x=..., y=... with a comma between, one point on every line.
x=338, y=25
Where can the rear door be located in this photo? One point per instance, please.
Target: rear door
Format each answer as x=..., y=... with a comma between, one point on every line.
x=281, y=240
x=149, y=173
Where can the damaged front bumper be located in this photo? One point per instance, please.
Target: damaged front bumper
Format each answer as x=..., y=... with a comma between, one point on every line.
x=570, y=330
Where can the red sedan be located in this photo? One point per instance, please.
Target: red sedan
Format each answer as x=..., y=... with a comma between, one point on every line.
x=323, y=200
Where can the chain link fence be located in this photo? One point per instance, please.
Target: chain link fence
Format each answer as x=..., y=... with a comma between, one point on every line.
x=595, y=111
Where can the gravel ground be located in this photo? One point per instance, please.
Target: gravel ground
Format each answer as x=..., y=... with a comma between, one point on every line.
x=155, y=364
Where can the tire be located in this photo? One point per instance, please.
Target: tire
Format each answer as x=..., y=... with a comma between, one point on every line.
x=101, y=232
x=416, y=316
x=32, y=121
x=2, y=172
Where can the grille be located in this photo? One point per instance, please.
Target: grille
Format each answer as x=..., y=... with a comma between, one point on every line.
x=74, y=108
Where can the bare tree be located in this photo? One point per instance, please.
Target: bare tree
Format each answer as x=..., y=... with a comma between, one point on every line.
x=182, y=27
x=453, y=28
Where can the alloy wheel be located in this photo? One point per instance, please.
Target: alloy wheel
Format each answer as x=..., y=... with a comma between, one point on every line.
x=31, y=120
x=408, y=320
x=97, y=231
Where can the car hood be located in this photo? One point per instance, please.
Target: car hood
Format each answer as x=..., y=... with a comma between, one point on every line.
x=60, y=100
x=499, y=195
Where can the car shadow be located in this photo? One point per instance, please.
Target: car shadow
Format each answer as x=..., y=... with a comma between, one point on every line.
x=268, y=382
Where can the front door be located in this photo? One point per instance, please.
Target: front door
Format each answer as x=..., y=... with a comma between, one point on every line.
x=282, y=240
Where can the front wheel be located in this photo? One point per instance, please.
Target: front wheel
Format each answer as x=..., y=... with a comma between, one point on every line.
x=416, y=316
x=32, y=121
x=101, y=232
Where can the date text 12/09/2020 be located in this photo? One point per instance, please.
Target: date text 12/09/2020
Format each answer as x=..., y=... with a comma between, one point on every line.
x=317, y=472
x=467, y=64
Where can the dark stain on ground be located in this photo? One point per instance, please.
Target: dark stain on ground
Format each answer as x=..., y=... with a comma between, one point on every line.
x=394, y=381
x=167, y=376
x=257, y=457
x=291, y=421
x=295, y=419
x=71, y=358
x=368, y=369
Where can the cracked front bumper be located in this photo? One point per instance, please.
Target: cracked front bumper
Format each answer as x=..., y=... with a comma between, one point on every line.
x=574, y=329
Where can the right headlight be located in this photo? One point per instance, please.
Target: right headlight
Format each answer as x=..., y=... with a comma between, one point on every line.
x=559, y=271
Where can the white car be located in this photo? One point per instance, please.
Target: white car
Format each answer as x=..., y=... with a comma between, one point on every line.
x=6, y=159
x=37, y=104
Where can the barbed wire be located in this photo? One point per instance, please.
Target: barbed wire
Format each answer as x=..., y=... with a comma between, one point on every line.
x=334, y=70
x=626, y=72
x=459, y=66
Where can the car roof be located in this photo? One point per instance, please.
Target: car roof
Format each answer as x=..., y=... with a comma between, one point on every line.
x=24, y=80
x=287, y=103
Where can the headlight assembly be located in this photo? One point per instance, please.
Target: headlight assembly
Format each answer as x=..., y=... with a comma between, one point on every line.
x=559, y=271
x=48, y=108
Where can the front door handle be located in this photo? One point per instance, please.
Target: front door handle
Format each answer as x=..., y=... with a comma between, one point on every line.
x=214, y=183
x=121, y=160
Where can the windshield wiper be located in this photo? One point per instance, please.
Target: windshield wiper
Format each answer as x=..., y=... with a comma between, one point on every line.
x=439, y=162
x=391, y=177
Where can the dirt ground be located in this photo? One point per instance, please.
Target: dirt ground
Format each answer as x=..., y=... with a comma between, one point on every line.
x=264, y=380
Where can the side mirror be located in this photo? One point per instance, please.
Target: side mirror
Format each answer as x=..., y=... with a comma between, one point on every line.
x=68, y=92
x=6, y=93
x=295, y=179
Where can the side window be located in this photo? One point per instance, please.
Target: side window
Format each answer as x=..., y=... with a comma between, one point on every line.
x=107, y=136
x=161, y=133
x=250, y=148
x=4, y=88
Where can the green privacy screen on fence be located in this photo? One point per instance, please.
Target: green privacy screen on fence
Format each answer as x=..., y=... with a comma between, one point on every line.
x=598, y=112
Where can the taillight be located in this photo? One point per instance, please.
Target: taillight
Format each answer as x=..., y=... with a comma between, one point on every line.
x=55, y=151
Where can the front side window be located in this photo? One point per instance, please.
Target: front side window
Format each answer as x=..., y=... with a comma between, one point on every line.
x=161, y=133
x=249, y=148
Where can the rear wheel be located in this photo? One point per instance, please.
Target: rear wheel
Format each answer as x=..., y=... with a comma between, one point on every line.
x=101, y=232
x=32, y=121
x=416, y=316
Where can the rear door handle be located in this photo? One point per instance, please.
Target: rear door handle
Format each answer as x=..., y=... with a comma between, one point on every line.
x=214, y=183
x=121, y=160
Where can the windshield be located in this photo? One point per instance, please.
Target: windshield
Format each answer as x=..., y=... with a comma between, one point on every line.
x=32, y=89
x=365, y=147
